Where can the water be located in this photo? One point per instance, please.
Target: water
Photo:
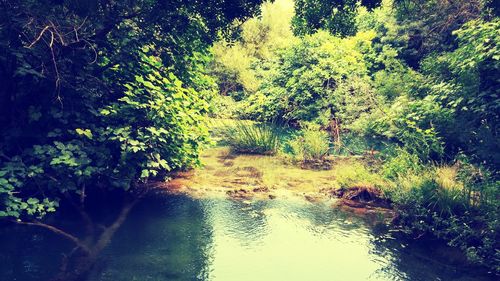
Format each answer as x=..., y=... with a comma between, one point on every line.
x=179, y=238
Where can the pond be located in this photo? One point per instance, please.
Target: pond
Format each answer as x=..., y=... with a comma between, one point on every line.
x=176, y=237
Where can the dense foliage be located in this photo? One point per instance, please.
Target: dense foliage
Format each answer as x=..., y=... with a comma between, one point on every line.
x=100, y=94
x=109, y=95
x=237, y=64
x=423, y=75
x=336, y=16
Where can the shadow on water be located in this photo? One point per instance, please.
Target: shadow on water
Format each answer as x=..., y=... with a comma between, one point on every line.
x=168, y=237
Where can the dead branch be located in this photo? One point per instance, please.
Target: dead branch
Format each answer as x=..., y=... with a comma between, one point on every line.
x=39, y=37
x=56, y=230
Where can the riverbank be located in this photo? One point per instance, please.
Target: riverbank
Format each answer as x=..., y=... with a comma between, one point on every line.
x=260, y=177
x=353, y=184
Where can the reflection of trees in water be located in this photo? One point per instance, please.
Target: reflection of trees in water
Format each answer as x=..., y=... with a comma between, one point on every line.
x=28, y=253
x=165, y=236
x=87, y=235
x=170, y=238
x=323, y=216
x=411, y=259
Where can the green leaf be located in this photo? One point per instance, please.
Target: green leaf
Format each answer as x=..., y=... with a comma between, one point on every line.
x=33, y=201
x=85, y=132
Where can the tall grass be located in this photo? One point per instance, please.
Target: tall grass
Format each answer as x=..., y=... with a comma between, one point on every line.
x=458, y=203
x=311, y=144
x=253, y=138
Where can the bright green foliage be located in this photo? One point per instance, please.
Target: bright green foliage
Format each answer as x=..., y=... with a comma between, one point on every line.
x=401, y=164
x=309, y=79
x=411, y=122
x=311, y=144
x=237, y=64
x=355, y=174
x=158, y=120
x=224, y=107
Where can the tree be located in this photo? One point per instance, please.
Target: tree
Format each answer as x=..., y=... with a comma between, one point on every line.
x=237, y=63
x=428, y=25
x=336, y=16
x=99, y=96
x=315, y=79
x=466, y=81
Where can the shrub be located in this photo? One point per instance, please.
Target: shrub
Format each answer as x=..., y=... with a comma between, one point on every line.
x=451, y=203
x=311, y=144
x=224, y=107
x=356, y=174
x=253, y=138
x=401, y=164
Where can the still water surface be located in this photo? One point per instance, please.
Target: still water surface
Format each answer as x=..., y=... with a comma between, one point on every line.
x=180, y=238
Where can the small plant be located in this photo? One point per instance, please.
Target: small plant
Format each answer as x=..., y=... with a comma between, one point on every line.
x=253, y=138
x=311, y=145
x=401, y=164
x=355, y=174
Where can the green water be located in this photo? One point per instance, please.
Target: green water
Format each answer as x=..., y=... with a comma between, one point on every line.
x=179, y=238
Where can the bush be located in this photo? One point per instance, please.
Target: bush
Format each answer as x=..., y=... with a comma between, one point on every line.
x=444, y=202
x=224, y=107
x=311, y=144
x=401, y=164
x=253, y=138
x=356, y=175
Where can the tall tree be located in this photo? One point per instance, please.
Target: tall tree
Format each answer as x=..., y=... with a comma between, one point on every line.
x=336, y=16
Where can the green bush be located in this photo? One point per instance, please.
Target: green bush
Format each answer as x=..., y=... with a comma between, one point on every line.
x=437, y=201
x=314, y=78
x=401, y=164
x=154, y=127
x=355, y=174
x=254, y=138
x=224, y=107
x=311, y=144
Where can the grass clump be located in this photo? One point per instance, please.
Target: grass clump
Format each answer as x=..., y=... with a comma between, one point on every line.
x=310, y=145
x=253, y=138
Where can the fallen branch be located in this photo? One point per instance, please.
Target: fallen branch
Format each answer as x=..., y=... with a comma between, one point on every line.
x=56, y=230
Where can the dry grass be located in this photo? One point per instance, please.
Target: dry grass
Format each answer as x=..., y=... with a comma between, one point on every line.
x=446, y=177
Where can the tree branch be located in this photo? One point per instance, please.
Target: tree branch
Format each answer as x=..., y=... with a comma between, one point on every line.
x=56, y=230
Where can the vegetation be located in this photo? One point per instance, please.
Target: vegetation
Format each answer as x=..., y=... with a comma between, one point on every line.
x=456, y=203
x=99, y=96
x=311, y=144
x=253, y=138
x=421, y=75
x=102, y=96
